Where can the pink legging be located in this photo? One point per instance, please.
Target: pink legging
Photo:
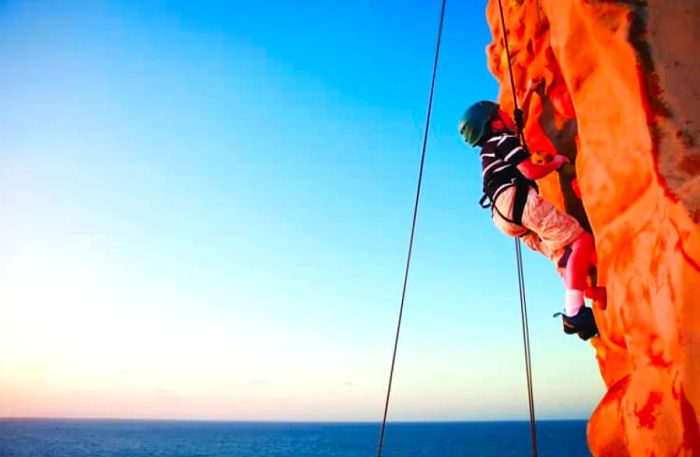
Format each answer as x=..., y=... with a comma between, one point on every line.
x=580, y=261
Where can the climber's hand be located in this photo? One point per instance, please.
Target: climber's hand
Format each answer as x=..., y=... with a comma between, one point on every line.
x=535, y=85
x=538, y=86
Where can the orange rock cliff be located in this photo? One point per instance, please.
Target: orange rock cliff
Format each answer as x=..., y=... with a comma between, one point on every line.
x=615, y=86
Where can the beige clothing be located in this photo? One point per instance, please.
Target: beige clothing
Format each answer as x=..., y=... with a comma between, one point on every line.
x=550, y=229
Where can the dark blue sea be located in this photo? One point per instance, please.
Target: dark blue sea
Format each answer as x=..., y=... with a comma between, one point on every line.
x=112, y=438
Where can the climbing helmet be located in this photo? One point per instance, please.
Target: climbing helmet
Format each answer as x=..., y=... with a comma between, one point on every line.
x=473, y=123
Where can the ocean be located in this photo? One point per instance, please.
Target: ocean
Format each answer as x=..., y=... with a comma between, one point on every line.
x=122, y=438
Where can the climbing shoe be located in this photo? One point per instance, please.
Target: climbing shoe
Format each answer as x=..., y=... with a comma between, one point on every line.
x=583, y=323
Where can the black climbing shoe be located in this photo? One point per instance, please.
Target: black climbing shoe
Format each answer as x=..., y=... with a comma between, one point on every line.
x=583, y=323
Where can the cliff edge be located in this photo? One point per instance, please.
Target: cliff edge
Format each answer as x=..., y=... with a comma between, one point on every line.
x=615, y=86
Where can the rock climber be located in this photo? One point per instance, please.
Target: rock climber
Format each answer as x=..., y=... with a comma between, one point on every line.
x=518, y=210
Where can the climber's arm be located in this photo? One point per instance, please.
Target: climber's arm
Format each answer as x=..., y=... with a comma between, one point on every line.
x=533, y=86
x=533, y=172
x=514, y=153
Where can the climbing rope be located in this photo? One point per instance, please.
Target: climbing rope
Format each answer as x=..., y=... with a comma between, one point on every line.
x=413, y=226
x=518, y=115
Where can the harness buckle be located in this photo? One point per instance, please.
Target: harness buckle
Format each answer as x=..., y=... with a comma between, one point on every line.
x=485, y=201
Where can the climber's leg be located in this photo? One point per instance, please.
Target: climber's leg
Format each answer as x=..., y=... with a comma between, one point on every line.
x=554, y=229
x=577, y=318
x=579, y=262
x=576, y=272
x=563, y=240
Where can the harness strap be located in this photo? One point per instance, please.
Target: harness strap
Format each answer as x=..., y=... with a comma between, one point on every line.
x=522, y=188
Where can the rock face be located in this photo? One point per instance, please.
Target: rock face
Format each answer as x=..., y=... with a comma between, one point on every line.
x=615, y=85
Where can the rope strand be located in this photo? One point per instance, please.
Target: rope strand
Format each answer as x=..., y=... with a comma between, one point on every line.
x=526, y=345
x=518, y=115
x=413, y=226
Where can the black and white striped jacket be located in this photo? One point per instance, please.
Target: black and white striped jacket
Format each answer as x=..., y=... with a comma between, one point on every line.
x=500, y=156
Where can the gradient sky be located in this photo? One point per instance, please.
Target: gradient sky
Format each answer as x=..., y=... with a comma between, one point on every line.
x=205, y=209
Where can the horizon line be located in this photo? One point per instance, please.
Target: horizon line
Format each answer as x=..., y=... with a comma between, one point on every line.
x=273, y=421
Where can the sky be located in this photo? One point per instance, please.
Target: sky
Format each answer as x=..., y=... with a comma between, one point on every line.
x=205, y=210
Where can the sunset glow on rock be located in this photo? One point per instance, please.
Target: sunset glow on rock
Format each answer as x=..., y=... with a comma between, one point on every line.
x=615, y=86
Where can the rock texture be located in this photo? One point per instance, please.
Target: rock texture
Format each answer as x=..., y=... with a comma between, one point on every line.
x=615, y=85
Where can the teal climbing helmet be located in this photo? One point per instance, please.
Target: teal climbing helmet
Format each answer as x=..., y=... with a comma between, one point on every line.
x=473, y=122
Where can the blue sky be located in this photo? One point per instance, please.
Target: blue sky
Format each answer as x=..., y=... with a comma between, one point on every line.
x=206, y=208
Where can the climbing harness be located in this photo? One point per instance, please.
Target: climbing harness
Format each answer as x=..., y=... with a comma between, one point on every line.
x=522, y=189
x=413, y=225
x=518, y=116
